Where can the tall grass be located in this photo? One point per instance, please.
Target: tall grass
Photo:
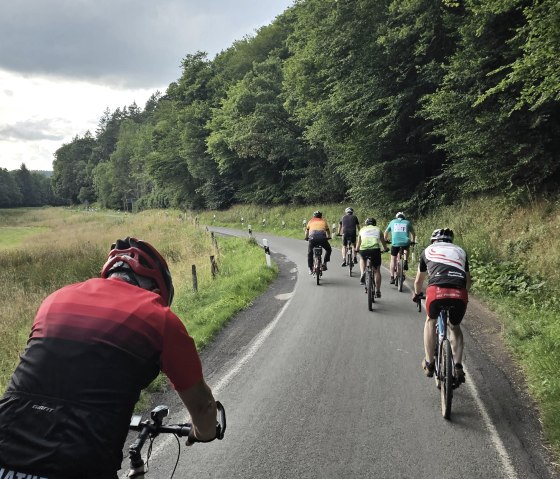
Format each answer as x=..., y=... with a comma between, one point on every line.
x=68, y=246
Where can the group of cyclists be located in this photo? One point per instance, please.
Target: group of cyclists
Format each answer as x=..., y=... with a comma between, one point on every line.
x=61, y=418
x=443, y=262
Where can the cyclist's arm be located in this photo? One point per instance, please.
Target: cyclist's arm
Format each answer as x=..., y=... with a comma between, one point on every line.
x=383, y=242
x=201, y=405
x=358, y=242
x=419, y=281
x=468, y=286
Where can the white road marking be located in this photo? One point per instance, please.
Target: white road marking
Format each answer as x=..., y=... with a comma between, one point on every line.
x=494, y=436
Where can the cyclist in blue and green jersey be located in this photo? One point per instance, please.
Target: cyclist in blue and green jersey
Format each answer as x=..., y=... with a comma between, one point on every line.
x=401, y=231
x=369, y=245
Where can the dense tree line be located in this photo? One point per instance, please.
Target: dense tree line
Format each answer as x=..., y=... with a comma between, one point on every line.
x=383, y=102
x=26, y=188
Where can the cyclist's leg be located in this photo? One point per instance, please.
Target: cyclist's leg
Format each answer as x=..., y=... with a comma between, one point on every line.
x=376, y=264
x=343, y=250
x=353, y=246
x=362, y=263
x=328, y=250
x=456, y=315
x=310, y=245
x=430, y=338
x=393, y=263
x=405, y=257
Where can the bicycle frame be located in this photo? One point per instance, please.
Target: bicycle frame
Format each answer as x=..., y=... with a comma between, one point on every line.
x=444, y=374
x=349, y=256
x=317, y=262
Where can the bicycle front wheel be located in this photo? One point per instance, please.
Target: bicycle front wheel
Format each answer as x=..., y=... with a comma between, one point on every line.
x=446, y=390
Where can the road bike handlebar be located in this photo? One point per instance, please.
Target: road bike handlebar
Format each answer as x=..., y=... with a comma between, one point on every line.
x=153, y=427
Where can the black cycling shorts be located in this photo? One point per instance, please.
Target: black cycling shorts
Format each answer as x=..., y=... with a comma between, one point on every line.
x=349, y=238
x=374, y=254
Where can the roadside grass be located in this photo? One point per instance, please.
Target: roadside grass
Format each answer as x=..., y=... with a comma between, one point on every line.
x=68, y=246
x=513, y=254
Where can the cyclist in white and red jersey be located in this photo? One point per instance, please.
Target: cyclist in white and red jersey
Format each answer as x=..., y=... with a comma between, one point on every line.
x=93, y=346
x=447, y=266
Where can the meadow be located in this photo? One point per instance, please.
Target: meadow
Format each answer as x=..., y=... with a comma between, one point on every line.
x=53, y=247
x=512, y=253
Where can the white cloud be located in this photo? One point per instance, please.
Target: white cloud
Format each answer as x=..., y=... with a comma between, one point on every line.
x=63, y=62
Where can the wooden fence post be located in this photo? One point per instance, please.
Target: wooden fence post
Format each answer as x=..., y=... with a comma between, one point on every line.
x=194, y=279
x=213, y=267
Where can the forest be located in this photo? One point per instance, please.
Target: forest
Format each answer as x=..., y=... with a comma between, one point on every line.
x=408, y=104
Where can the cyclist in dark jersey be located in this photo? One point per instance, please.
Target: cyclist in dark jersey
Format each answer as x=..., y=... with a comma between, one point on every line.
x=93, y=346
x=348, y=226
x=449, y=281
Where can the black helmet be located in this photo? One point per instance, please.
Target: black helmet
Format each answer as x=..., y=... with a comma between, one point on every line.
x=442, y=234
x=370, y=222
x=349, y=211
x=143, y=259
x=317, y=214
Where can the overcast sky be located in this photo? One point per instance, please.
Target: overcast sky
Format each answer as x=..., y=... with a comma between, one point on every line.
x=63, y=62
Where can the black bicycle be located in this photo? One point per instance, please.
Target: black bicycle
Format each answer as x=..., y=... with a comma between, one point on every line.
x=370, y=284
x=349, y=257
x=317, y=263
x=153, y=427
x=444, y=374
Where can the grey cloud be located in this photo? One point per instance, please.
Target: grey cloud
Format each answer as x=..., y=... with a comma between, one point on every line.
x=31, y=130
x=131, y=43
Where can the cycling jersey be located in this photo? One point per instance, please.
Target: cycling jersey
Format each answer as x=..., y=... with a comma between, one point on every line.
x=93, y=346
x=446, y=263
x=349, y=224
x=400, y=229
x=370, y=237
x=318, y=229
x=447, y=266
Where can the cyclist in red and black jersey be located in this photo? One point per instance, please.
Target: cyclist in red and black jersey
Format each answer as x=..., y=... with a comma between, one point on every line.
x=93, y=346
x=447, y=266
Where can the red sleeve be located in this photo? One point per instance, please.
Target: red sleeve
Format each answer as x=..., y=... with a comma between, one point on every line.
x=179, y=358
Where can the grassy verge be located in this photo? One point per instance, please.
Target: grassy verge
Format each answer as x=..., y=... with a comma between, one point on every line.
x=514, y=266
x=67, y=246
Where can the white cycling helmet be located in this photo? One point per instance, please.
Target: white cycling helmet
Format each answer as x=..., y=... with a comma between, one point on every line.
x=442, y=234
x=349, y=211
x=400, y=214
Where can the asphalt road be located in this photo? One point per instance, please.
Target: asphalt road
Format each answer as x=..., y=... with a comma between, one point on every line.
x=317, y=386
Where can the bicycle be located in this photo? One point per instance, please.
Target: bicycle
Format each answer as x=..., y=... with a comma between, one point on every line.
x=444, y=374
x=370, y=284
x=349, y=257
x=153, y=427
x=398, y=272
x=318, y=263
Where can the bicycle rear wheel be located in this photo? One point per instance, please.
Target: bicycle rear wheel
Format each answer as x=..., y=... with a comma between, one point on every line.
x=349, y=260
x=401, y=274
x=318, y=272
x=369, y=288
x=446, y=366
